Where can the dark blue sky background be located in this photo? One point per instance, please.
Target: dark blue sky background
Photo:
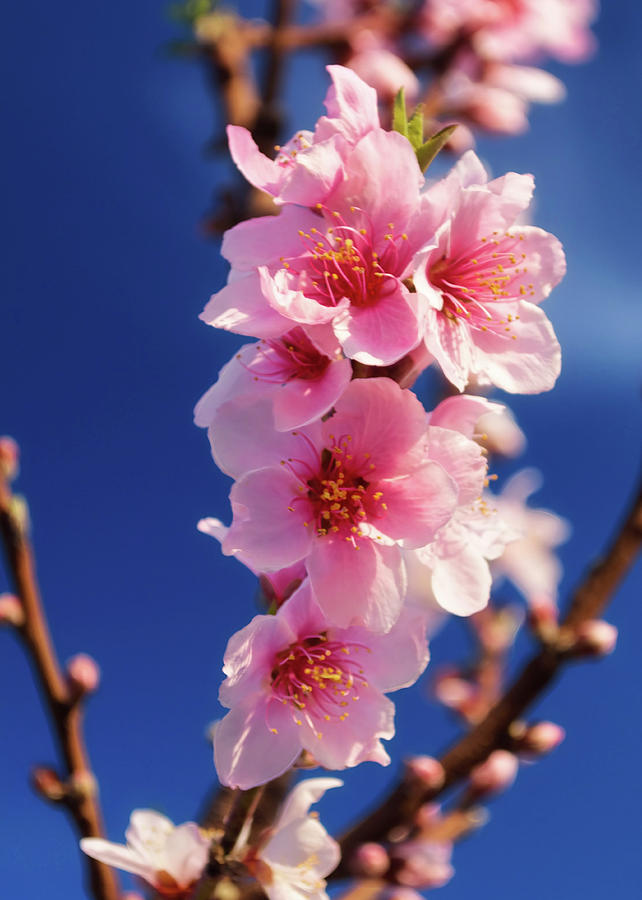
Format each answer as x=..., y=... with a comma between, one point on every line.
x=103, y=357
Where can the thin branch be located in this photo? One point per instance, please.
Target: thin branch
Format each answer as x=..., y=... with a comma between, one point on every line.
x=65, y=709
x=588, y=601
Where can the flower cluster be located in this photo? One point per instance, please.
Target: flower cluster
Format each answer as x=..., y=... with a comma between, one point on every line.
x=485, y=51
x=364, y=514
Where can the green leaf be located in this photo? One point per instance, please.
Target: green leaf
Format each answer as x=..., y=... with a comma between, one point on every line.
x=427, y=152
x=399, y=118
x=415, y=132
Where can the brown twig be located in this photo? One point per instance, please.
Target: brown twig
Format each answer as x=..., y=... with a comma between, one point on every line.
x=78, y=791
x=588, y=601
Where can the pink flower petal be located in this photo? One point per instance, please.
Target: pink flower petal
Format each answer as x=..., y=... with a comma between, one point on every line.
x=529, y=364
x=461, y=583
x=384, y=422
x=418, y=504
x=381, y=334
x=240, y=307
x=301, y=402
x=264, y=530
x=255, y=742
x=365, y=585
x=340, y=744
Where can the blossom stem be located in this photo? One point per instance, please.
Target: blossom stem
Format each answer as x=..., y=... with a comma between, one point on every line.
x=65, y=710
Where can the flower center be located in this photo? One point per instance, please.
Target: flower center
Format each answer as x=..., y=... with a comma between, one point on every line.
x=291, y=356
x=475, y=282
x=341, y=261
x=338, y=491
x=318, y=678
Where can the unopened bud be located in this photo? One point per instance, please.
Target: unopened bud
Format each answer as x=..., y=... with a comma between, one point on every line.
x=454, y=691
x=543, y=617
x=11, y=611
x=9, y=456
x=83, y=674
x=497, y=628
x=47, y=783
x=427, y=770
x=423, y=864
x=542, y=738
x=400, y=893
x=370, y=861
x=82, y=785
x=496, y=774
x=596, y=637
x=428, y=815
x=132, y=895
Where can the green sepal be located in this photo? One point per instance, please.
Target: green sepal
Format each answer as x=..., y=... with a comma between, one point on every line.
x=415, y=132
x=427, y=152
x=399, y=118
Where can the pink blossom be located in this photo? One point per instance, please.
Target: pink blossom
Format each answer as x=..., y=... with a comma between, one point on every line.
x=299, y=852
x=303, y=371
x=529, y=561
x=169, y=857
x=484, y=275
x=342, y=495
x=452, y=570
x=496, y=96
x=295, y=683
x=345, y=264
x=515, y=29
x=381, y=68
x=310, y=165
x=424, y=864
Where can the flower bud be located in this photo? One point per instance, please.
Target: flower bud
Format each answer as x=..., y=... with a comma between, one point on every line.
x=47, y=783
x=370, y=861
x=9, y=456
x=11, y=611
x=496, y=774
x=82, y=785
x=596, y=637
x=132, y=895
x=428, y=815
x=541, y=738
x=423, y=864
x=454, y=691
x=83, y=674
x=427, y=770
x=400, y=893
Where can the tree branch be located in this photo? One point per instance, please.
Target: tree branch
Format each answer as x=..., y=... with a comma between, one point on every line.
x=78, y=794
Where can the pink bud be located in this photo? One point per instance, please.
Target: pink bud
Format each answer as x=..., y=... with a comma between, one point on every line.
x=427, y=770
x=597, y=637
x=423, y=864
x=370, y=860
x=453, y=691
x=83, y=674
x=542, y=738
x=132, y=895
x=9, y=456
x=83, y=785
x=496, y=774
x=47, y=783
x=11, y=611
x=400, y=893
x=428, y=815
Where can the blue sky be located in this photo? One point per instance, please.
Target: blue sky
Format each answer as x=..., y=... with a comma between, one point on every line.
x=103, y=357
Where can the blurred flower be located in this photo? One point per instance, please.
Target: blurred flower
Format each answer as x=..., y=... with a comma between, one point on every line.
x=299, y=852
x=169, y=857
